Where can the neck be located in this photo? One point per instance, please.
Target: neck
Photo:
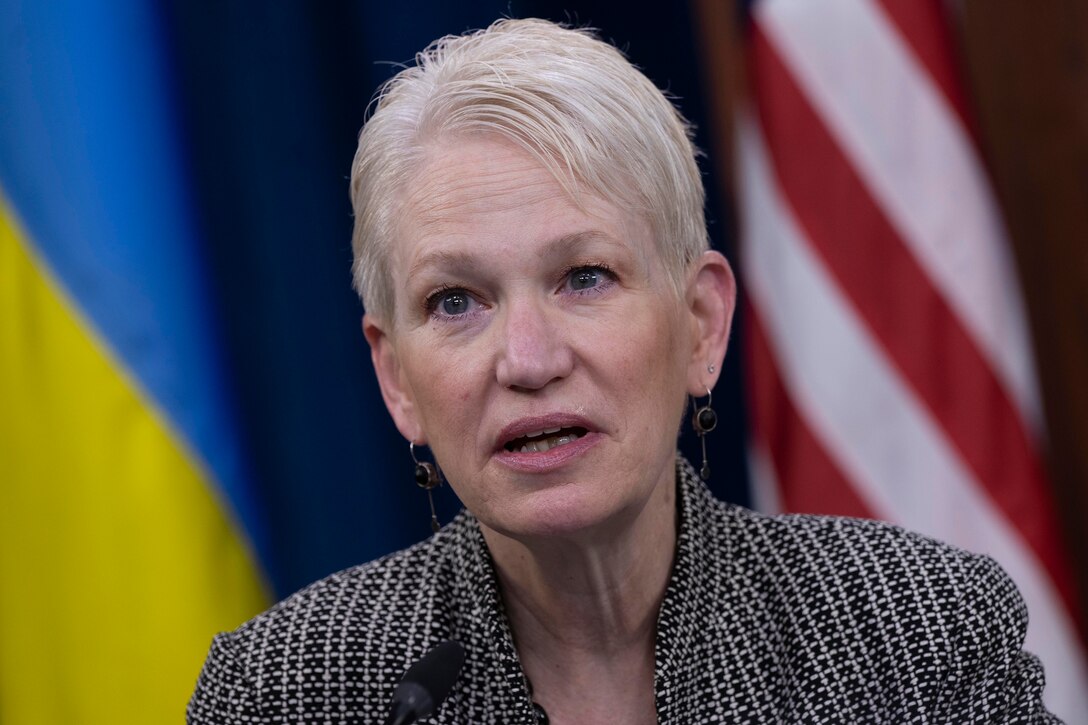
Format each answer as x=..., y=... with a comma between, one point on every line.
x=584, y=609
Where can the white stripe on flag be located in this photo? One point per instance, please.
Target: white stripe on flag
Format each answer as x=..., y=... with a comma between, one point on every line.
x=762, y=479
x=870, y=423
x=901, y=134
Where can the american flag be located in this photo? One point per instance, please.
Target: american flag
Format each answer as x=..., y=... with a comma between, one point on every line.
x=888, y=356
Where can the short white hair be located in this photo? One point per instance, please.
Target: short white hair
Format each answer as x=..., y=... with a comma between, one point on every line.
x=571, y=100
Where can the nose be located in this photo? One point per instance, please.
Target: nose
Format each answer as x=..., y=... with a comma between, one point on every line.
x=534, y=349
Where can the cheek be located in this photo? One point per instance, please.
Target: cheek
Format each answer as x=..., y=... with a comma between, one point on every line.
x=657, y=354
x=443, y=396
x=445, y=382
x=647, y=368
x=671, y=347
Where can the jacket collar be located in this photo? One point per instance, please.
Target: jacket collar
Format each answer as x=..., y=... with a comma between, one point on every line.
x=687, y=618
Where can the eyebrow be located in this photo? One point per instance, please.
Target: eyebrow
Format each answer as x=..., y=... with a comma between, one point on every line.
x=467, y=260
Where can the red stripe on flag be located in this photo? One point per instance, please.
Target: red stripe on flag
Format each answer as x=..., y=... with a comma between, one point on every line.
x=808, y=479
x=923, y=25
x=911, y=320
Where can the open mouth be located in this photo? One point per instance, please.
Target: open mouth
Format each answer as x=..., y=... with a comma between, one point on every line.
x=544, y=440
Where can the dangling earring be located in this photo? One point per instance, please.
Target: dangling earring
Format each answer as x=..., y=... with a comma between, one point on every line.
x=704, y=420
x=428, y=477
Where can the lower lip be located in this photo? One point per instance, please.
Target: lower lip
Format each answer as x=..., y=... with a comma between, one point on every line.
x=549, y=460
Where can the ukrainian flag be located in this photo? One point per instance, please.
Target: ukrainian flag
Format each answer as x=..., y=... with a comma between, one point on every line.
x=129, y=530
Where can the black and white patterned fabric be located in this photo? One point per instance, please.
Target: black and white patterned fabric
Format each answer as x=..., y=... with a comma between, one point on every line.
x=790, y=619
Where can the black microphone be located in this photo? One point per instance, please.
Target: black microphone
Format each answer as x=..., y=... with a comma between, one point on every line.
x=426, y=683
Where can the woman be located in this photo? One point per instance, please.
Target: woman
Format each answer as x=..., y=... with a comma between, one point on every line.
x=541, y=306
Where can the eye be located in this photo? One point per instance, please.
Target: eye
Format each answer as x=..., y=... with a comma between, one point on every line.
x=580, y=279
x=453, y=302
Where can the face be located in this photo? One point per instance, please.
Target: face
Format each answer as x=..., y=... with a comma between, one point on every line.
x=537, y=347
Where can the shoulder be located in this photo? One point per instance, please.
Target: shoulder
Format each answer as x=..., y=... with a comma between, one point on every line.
x=399, y=588
x=910, y=623
x=347, y=637
x=869, y=558
x=862, y=573
x=865, y=588
x=920, y=591
x=801, y=556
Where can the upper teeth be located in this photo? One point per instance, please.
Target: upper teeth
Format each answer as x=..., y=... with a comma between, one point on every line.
x=547, y=443
x=545, y=432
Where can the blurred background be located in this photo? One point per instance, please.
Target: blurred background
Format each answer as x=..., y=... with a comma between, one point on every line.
x=189, y=425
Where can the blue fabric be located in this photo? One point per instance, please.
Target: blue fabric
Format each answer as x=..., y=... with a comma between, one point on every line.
x=91, y=157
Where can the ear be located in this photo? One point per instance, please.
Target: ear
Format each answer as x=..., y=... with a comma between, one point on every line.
x=396, y=392
x=711, y=298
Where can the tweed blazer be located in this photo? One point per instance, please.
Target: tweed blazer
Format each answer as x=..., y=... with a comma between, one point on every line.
x=766, y=619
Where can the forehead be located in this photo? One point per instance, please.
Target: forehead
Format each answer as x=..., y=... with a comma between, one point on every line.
x=487, y=193
x=475, y=175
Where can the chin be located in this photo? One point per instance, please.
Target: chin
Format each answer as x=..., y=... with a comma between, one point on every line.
x=561, y=512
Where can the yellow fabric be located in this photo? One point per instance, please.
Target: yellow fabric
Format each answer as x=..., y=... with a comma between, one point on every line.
x=117, y=563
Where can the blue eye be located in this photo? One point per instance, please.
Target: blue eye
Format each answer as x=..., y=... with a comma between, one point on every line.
x=454, y=303
x=589, y=277
x=585, y=278
x=450, y=303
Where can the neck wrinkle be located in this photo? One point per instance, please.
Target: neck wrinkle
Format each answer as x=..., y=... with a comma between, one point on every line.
x=592, y=599
x=688, y=620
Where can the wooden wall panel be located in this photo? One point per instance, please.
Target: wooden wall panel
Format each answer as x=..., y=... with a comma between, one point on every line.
x=1026, y=65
